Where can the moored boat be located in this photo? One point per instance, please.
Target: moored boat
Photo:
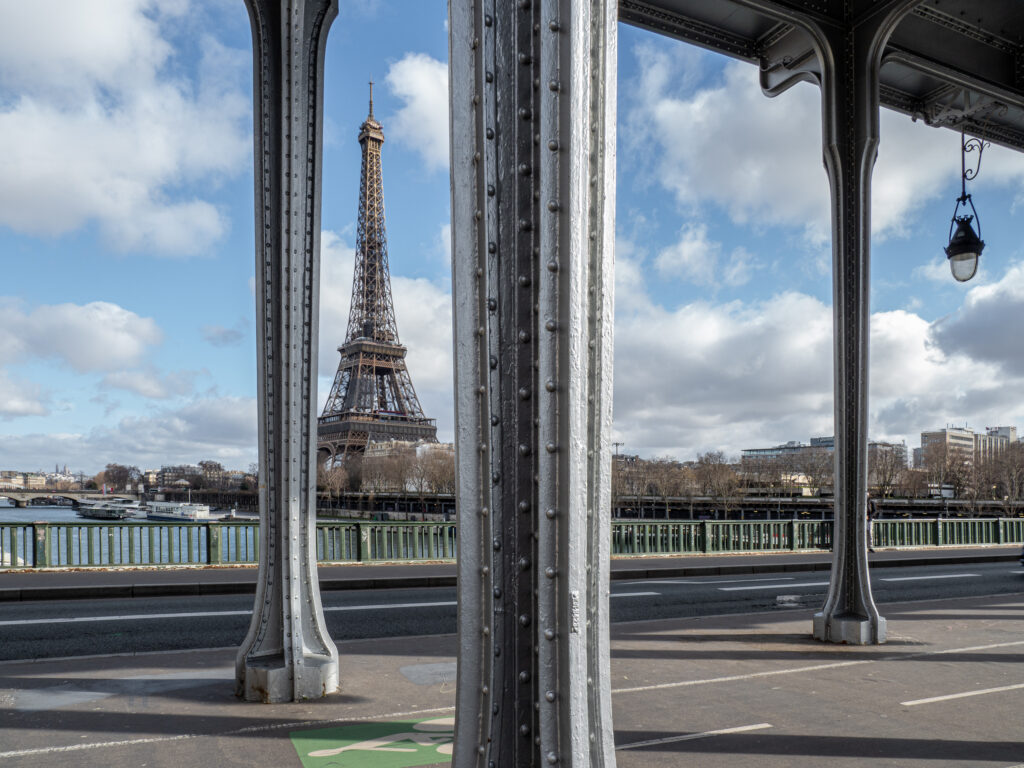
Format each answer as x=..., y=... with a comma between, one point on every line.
x=175, y=511
x=114, y=509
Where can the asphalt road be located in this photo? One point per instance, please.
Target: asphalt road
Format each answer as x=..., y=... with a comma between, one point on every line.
x=49, y=629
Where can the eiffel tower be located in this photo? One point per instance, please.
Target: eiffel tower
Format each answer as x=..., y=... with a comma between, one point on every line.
x=372, y=398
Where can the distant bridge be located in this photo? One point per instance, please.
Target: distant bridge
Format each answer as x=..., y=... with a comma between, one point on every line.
x=22, y=498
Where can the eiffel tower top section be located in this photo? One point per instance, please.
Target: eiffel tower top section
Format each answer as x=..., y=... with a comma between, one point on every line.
x=371, y=314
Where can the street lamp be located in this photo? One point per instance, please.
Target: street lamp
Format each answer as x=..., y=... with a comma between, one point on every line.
x=964, y=245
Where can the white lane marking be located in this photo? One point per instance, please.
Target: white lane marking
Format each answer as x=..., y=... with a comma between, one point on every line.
x=706, y=581
x=692, y=736
x=235, y=732
x=930, y=578
x=203, y=614
x=776, y=586
x=811, y=668
x=963, y=695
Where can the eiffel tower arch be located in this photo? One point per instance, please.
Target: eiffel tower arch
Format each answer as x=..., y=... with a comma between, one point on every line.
x=372, y=398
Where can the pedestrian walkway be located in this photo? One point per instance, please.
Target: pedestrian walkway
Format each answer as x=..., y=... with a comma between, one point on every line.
x=741, y=690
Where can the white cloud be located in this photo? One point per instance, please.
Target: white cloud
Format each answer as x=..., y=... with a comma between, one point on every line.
x=150, y=383
x=98, y=336
x=693, y=257
x=421, y=82
x=219, y=336
x=761, y=159
x=987, y=325
x=97, y=128
x=19, y=398
x=223, y=429
x=739, y=375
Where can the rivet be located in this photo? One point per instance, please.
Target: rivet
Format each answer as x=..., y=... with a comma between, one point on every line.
x=484, y=511
x=489, y=77
x=490, y=190
x=552, y=758
x=495, y=477
x=476, y=43
x=552, y=25
x=524, y=4
x=497, y=593
x=551, y=447
x=549, y=634
x=524, y=280
x=524, y=620
x=524, y=336
x=476, y=157
x=492, y=248
x=524, y=58
x=549, y=514
x=492, y=304
x=481, y=750
x=478, y=214
x=494, y=362
x=479, y=272
x=524, y=506
x=524, y=676
x=552, y=205
x=553, y=145
x=495, y=421
x=549, y=385
x=488, y=21
x=524, y=563
x=524, y=729
x=484, y=690
x=525, y=169
x=524, y=225
x=524, y=449
x=524, y=114
x=549, y=572
x=524, y=393
x=481, y=331
x=485, y=570
x=487, y=631
x=549, y=695
x=496, y=544
x=550, y=325
x=552, y=266
x=553, y=85
x=481, y=389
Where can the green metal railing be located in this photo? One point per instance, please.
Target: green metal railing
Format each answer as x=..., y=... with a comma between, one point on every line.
x=103, y=544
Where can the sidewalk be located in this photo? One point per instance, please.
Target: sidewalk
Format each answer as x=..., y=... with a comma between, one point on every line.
x=64, y=584
x=715, y=692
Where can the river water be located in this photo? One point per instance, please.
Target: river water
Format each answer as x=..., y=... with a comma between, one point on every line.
x=40, y=514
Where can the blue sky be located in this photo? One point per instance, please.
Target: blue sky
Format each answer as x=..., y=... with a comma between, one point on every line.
x=126, y=306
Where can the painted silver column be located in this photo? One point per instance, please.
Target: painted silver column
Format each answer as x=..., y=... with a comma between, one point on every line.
x=533, y=115
x=287, y=654
x=850, y=59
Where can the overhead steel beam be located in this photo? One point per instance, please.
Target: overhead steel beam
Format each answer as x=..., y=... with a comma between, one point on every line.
x=287, y=654
x=532, y=152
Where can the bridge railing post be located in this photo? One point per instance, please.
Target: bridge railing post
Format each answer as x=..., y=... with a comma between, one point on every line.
x=42, y=536
x=213, y=545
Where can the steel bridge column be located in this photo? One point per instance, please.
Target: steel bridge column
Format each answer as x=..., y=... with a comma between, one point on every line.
x=287, y=654
x=850, y=59
x=533, y=116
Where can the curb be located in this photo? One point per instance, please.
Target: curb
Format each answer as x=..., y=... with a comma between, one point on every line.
x=413, y=582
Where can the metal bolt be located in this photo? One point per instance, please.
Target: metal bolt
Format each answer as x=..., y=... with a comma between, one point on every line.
x=549, y=695
x=549, y=514
x=553, y=145
x=549, y=634
x=550, y=325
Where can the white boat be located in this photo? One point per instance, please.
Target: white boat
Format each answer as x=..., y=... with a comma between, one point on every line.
x=114, y=509
x=177, y=511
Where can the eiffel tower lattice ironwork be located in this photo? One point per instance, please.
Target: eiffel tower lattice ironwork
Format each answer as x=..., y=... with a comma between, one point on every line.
x=372, y=398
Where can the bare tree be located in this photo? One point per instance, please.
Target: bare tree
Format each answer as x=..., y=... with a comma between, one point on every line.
x=440, y=470
x=716, y=477
x=665, y=479
x=816, y=464
x=884, y=472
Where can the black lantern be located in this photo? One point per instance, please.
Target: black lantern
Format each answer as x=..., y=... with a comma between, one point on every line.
x=965, y=246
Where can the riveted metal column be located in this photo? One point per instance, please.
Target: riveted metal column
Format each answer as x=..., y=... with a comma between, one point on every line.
x=287, y=654
x=850, y=61
x=532, y=89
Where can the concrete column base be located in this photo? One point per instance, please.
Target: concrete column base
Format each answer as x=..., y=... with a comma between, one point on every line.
x=854, y=630
x=270, y=680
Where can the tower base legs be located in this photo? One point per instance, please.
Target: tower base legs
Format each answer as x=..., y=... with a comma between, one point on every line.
x=269, y=679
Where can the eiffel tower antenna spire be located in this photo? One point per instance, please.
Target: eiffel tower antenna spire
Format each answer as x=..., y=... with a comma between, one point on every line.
x=372, y=398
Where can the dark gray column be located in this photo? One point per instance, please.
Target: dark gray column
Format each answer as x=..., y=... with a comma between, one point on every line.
x=287, y=654
x=533, y=116
x=850, y=57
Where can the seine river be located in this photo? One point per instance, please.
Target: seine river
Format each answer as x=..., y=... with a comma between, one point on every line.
x=12, y=514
